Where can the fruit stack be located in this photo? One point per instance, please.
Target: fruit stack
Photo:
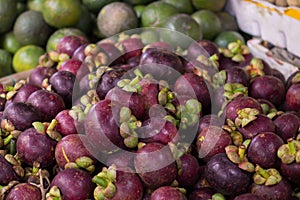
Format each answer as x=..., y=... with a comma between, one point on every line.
x=150, y=114
x=32, y=27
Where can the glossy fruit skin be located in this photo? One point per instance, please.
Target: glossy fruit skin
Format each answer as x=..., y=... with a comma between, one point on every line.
x=23, y=191
x=263, y=149
x=68, y=44
x=101, y=126
x=212, y=140
x=280, y=191
x=132, y=100
x=261, y=124
x=65, y=123
x=132, y=47
x=161, y=63
x=292, y=99
x=204, y=193
x=167, y=192
x=22, y=115
x=268, y=87
x=190, y=171
x=49, y=104
x=191, y=84
x=108, y=81
x=62, y=83
x=7, y=172
x=225, y=176
x=71, y=65
x=39, y=74
x=157, y=129
x=128, y=186
x=247, y=196
x=34, y=146
x=209, y=120
x=240, y=103
x=74, y=184
x=291, y=172
x=236, y=74
x=145, y=161
x=24, y=92
x=287, y=125
x=72, y=147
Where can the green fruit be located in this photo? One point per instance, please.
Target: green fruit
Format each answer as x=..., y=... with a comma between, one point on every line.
x=183, y=6
x=139, y=9
x=209, y=22
x=224, y=38
x=36, y=5
x=115, y=18
x=62, y=13
x=228, y=22
x=85, y=22
x=5, y=63
x=27, y=57
x=213, y=5
x=185, y=24
x=30, y=28
x=8, y=14
x=149, y=36
x=10, y=43
x=95, y=5
x=60, y=33
x=157, y=13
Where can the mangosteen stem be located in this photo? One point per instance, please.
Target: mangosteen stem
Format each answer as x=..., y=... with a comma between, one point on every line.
x=217, y=196
x=52, y=125
x=242, y=151
x=262, y=172
x=7, y=140
x=291, y=146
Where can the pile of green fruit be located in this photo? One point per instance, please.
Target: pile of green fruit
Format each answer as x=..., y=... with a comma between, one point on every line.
x=29, y=28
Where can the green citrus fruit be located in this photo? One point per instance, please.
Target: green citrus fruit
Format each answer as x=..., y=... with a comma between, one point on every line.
x=8, y=14
x=224, y=38
x=185, y=24
x=36, y=5
x=5, y=63
x=213, y=5
x=209, y=22
x=60, y=33
x=115, y=18
x=95, y=5
x=85, y=22
x=139, y=9
x=62, y=13
x=10, y=43
x=228, y=22
x=31, y=28
x=157, y=13
x=183, y=6
x=27, y=57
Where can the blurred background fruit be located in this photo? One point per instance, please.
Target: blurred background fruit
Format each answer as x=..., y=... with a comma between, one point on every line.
x=27, y=57
x=7, y=14
x=5, y=63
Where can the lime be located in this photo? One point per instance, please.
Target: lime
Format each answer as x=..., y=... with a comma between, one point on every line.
x=115, y=18
x=5, y=63
x=60, y=33
x=213, y=5
x=30, y=28
x=95, y=5
x=8, y=14
x=209, y=22
x=139, y=9
x=185, y=24
x=27, y=57
x=228, y=22
x=224, y=38
x=36, y=5
x=62, y=13
x=10, y=43
x=85, y=22
x=183, y=6
x=157, y=13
